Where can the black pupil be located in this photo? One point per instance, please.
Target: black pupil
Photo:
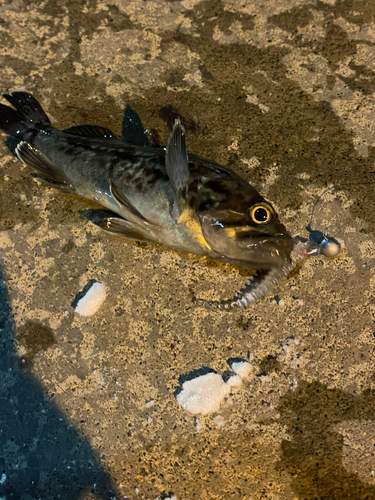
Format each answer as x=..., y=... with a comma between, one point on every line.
x=261, y=215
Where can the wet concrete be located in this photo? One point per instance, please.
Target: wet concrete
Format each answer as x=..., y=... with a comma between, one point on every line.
x=283, y=93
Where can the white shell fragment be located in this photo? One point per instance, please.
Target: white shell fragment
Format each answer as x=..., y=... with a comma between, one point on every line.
x=234, y=381
x=205, y=393
x=171, y=496
x=90, y=299
x=242, y=368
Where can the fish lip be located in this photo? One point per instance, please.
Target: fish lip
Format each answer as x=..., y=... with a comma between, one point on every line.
x=267, y=252
x=283, y=239
x=271, y=238
x=267, y=262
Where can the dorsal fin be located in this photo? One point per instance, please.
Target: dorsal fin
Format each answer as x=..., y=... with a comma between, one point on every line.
x=88, y=130
x=132, y=129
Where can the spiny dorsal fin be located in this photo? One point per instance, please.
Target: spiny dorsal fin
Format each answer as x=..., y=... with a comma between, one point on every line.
x=132, y=129
x=177, y=165
x=88, y=130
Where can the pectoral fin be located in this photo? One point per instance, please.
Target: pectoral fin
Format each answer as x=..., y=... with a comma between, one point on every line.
x=112, y=223
x=177, y=165
x=125, y=204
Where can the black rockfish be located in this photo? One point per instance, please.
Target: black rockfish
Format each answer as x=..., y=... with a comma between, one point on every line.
x=156, y=194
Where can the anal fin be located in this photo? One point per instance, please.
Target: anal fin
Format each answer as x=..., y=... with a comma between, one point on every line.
x=46, y=171
x=112, y=223
x=67, y=188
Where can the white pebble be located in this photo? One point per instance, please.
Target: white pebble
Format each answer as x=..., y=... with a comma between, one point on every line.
x=218, y=420
x=242, y=368
x=91, y=302
x=198, y=424
x=203, y=394
x=234, y=381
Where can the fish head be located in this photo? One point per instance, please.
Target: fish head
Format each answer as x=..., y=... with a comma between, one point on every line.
x=240, y=226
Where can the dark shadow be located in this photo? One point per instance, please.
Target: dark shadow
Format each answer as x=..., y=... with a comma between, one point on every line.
x=41, y=455
x=231, y=361
x=185, y=377
x=267, y=365
x=199, y=372
x=313, y=455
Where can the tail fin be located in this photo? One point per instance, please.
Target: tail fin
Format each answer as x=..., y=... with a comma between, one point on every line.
x=27, y=113
x=21, y=123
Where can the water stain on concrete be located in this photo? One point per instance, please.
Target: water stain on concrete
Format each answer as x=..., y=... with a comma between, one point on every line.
x=34, y=337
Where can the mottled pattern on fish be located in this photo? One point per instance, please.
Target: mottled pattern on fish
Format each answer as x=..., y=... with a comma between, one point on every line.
x=152, y=193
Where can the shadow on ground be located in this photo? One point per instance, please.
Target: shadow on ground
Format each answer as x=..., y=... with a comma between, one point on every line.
x=313, y=456
x=42, y=456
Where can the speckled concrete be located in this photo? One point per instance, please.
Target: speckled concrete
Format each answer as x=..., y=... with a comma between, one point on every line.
x=284, y=93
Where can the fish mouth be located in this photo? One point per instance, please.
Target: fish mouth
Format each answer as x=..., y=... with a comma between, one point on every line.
x=264, y=251
x=251, y=248
x=263, y=239
x=282, y=242
x=243, y=236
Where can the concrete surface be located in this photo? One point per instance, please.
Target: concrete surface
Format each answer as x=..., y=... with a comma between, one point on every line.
x=284, y=93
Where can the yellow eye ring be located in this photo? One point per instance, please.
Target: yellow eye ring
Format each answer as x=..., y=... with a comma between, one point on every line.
x=261, y=213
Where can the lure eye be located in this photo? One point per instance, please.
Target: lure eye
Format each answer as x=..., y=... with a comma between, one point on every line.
x=260, y=214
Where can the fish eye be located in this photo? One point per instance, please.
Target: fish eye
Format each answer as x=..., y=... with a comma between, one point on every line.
x=261, y=213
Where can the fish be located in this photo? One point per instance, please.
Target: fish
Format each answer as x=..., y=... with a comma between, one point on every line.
x=151, y=193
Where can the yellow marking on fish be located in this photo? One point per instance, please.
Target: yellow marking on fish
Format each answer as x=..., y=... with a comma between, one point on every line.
x=192, y=223
x=231, y=232
x=234, y=212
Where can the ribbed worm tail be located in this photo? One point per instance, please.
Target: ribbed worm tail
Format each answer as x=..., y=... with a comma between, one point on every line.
x=261, y=288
